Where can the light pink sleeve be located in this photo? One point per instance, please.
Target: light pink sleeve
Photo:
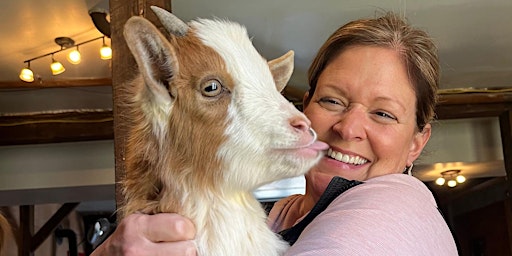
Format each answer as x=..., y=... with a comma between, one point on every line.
x=389, y=215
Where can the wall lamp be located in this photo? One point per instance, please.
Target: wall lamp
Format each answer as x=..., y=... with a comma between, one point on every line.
x=452, y=176
x=74, y=56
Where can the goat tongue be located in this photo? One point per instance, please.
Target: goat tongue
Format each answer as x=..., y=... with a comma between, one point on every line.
x=318, y=145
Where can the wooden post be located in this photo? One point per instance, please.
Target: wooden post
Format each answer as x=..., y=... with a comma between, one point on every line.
x=506, y=141
x=123, y=68
x=26, y=230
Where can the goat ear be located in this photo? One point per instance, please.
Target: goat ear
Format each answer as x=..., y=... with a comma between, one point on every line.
x=153, y=53
x=282, y=69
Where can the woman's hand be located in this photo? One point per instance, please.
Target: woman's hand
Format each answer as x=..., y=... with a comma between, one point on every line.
x=142, y=234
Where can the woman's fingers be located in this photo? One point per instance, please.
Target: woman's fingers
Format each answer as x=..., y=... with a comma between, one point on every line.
x=165, y=227
x=159, y=234
x=183, y=248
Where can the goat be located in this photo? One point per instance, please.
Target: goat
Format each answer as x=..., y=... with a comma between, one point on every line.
x=207, y=126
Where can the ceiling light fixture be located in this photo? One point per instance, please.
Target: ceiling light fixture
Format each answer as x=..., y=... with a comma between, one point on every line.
x=26, y=74
x=73, y=57
x=105, y=51
x=452, y=176
x=56, y=67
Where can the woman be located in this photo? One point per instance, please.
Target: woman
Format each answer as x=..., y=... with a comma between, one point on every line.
x=372, y=97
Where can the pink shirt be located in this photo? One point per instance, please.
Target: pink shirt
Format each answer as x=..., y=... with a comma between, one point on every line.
x=393, y=214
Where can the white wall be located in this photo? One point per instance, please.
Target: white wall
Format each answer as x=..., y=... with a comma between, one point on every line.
x=57, y=165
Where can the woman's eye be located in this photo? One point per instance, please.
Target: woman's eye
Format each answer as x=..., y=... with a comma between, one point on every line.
x=385, y=115
x=329, y=101
x=331, y=104
x=211, y=88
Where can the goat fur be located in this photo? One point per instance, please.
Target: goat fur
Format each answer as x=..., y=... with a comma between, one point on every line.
x=207, y=125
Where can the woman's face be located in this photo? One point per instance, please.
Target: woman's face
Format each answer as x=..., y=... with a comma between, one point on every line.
x=364, y=107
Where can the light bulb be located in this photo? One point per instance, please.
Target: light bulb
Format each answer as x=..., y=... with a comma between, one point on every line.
x=452, y=183
x=460, y=179
x=27, y=75
x=74, y=57
x=440, y=181
x=57, y=67
x=106, y=52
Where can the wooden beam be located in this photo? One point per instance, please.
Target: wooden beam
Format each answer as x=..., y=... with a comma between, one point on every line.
x=57, y=83
x=446, y=112
x=473, y=105
x=475, y=98
x=56, y=127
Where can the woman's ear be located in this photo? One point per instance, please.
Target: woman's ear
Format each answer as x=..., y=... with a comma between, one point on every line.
x=418, y=143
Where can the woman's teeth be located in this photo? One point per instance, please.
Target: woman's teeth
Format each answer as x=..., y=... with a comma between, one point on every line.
x=356, y=160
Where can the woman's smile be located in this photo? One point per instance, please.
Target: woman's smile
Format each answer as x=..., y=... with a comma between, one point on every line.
x=346, y=158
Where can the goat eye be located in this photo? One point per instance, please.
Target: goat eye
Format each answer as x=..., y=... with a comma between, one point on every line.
x=211, y=88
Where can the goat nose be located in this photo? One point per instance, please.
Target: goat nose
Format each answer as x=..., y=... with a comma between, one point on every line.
x=300, y=124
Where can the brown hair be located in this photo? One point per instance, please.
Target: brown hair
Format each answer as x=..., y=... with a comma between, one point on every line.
x=415, y=46
x=5, y=231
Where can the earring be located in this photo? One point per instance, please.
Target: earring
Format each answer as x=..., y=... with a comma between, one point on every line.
x=409, y=169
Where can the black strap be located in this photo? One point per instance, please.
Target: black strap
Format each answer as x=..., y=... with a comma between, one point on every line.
x=337, y=186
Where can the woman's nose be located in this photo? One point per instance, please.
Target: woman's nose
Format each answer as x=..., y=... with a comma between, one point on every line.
x=351, y=125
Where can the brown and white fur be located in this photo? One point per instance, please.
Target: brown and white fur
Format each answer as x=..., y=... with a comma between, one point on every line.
x=207, y=127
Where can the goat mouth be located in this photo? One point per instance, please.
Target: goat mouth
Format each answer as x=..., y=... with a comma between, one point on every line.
x=312, y=149
x=313, y=143
x=302, y=147
x=346, y=158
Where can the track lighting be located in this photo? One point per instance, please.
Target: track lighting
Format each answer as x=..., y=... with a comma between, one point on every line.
x=453, y=176
x=74, y=56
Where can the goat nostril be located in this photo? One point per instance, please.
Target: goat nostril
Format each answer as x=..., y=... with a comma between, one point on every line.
x=300, y=124
x=313, y=133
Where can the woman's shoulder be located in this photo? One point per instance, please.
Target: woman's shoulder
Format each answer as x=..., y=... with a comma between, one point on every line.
x=398, y=180
x=385, y=215
x=392, y=191
x=280, y=216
